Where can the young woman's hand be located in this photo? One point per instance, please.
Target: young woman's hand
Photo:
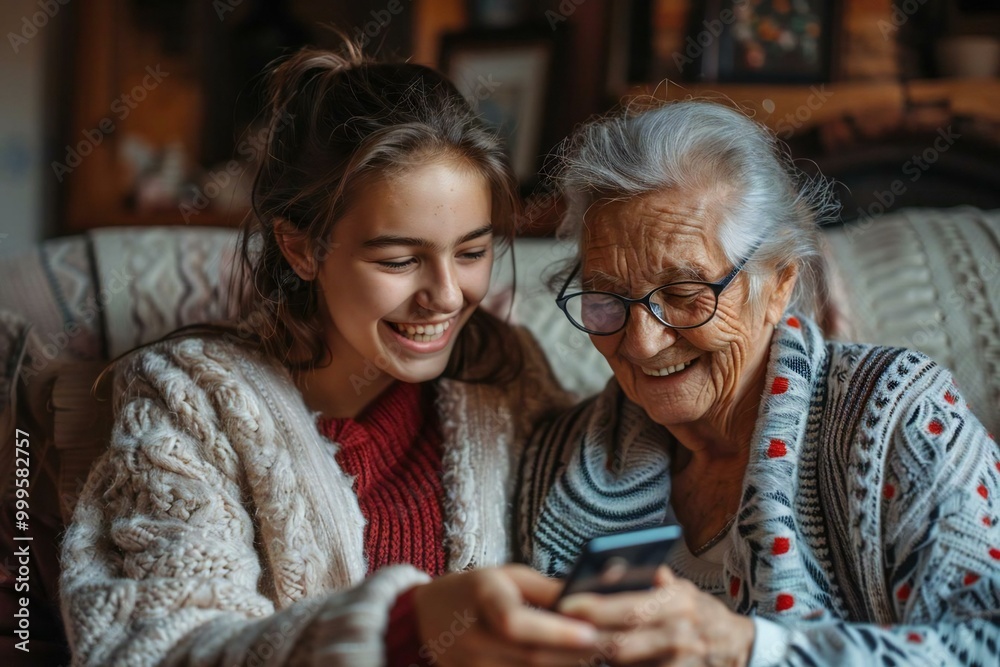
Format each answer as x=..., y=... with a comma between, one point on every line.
x=673, y=624
x=483, y=617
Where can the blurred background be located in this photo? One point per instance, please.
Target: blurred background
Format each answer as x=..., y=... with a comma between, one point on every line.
x=143, y=112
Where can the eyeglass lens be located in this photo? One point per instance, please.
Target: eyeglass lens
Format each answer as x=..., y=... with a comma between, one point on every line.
x=680, y=305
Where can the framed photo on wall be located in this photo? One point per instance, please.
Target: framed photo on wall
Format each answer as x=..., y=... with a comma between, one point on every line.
x=511, y=75
x=765, y=41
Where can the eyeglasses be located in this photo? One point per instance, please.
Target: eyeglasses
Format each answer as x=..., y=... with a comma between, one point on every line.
x=682, y=305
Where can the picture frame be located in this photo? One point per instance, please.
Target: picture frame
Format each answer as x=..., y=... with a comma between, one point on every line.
x=512, y=76
x=765, y=41
x=632, y=31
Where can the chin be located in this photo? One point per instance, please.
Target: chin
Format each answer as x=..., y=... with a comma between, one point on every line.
x=671, y=416
x=665, y=408
x=417, y=372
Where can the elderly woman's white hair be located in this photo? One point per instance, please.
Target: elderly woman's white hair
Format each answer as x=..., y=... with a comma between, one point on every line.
x=696, y=146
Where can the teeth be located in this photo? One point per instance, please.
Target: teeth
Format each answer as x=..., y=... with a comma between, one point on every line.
x=660, y=372
x=422, y=333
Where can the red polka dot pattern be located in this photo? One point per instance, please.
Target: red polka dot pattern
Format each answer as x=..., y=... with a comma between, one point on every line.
x=779, y=386
x=784, y=602
x=782, y=545
x=777, y=449
x=935, y=427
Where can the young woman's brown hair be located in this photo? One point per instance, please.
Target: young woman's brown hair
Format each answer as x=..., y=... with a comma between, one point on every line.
x=334, y=123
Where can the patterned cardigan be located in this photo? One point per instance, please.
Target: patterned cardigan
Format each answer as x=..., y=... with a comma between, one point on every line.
x=868, y=529
x=217, y=529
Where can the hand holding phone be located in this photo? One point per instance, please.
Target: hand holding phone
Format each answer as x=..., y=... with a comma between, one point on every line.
x=621, y=562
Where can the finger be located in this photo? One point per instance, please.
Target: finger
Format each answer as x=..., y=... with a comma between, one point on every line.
x=535, y=588
x=541, y=628
x=494, y=651
x=657, y=645
x=626, y=610
x=479, y=647
x=664, y=577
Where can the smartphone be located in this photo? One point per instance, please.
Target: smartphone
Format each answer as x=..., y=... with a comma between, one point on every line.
x=621, y=562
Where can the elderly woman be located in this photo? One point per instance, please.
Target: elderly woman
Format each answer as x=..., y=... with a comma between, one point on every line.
x=838, y=501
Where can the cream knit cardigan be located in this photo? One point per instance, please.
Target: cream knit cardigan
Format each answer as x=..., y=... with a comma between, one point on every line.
x=218, y=529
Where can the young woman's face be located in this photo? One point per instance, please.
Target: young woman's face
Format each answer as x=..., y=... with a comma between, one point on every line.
x=408, y=265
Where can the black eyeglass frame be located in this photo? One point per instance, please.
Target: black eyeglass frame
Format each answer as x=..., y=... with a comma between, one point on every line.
x=716, y=288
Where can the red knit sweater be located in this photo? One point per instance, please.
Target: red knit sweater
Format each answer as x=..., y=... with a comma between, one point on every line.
x=393, y=450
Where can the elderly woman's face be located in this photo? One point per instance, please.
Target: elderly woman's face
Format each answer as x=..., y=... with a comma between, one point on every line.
x=631, y=247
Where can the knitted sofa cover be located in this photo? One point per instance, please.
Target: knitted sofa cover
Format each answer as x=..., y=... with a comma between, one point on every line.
x=927, y=279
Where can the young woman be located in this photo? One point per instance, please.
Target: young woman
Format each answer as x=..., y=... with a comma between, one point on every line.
x=284, y=493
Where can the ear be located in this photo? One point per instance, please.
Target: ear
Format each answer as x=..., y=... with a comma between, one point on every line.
x=297, y=249
x=782, y=294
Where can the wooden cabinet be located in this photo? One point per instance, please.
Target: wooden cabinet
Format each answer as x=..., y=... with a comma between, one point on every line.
x=793, y=110
x=136, y=89
x=126, y=90
x=147, y=140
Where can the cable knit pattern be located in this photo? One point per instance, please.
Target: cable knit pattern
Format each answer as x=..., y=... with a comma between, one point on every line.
x=218, y=529
x=868, y=527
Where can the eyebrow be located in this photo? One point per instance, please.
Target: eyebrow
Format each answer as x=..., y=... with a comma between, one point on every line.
x=391, y=240
x=598, y=279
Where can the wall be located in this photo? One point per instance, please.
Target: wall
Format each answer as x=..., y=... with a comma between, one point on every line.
x=22, y=120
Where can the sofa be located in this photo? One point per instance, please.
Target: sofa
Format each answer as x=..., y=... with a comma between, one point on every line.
x=921, y=278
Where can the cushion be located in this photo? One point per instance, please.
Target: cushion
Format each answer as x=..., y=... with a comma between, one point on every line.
x=926, y=279
x=156, y=279
x=53, y=288
x=22, y=413
x=81, y=428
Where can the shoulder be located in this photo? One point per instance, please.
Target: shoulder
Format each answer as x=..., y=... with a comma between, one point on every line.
x=195, y=383
x=200, y=358
x=902, y=403
x=877, y=391
x=608, y=421
x=891, y=377
x=183, y=414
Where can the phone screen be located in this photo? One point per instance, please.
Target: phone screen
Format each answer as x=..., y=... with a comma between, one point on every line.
x=621, y=562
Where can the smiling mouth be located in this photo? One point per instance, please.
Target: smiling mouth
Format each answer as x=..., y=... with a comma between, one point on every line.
x=669, y=370
x=421, y=333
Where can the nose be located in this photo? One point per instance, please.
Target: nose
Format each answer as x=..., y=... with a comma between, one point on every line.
x=644, y=335
x=442, y=292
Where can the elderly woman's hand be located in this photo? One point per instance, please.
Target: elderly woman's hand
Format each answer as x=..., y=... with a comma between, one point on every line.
x=483, y=617
x=673, y=624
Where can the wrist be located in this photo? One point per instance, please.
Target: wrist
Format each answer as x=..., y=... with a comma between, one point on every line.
x=402, y=635
x=770, y=643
